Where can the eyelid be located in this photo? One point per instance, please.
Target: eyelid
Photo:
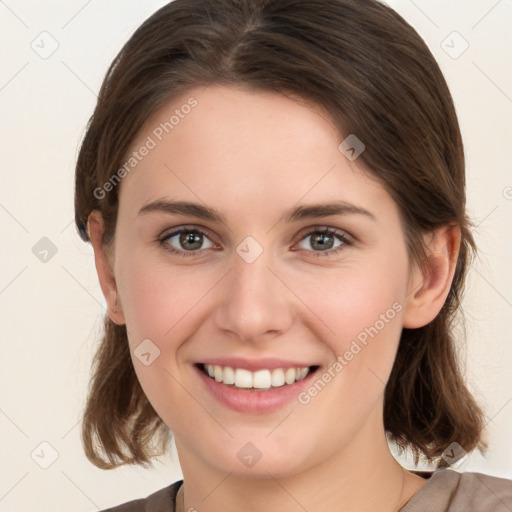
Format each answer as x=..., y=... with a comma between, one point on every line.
x=184, y=227
x=306, y=231
x=326, y=229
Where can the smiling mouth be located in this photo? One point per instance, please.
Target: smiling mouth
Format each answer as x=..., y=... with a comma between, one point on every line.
x=260, y=380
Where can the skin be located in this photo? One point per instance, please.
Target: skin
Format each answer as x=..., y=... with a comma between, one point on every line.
x=252, y=155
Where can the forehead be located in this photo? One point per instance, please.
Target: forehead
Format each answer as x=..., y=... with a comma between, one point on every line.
x=229, y=145
x=228, y=120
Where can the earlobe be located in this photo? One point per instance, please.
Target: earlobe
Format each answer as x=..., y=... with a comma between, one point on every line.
x=430, y=286
x=95, y=228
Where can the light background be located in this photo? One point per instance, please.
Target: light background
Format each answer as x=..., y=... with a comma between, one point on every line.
x=51, y=311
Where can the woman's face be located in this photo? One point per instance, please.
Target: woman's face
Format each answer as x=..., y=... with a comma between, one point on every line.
x=306, y=267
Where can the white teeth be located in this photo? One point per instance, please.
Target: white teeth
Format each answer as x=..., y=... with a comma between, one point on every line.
x=303, y=372
x=228, y=376
x=243, y=378
x=277, y=378
x=289, y=376
x=260, y=379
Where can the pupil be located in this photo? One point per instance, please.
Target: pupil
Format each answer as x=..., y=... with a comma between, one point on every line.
x=193, y=239
x=322, y=241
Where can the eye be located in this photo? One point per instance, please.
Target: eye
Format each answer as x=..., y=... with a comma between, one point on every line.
x=325, y=242
x=186, y=241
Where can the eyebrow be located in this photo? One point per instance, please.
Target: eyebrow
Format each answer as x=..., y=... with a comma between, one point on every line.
x=294, y=214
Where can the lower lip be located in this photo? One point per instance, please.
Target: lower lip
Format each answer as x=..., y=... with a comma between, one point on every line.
x=254, y=402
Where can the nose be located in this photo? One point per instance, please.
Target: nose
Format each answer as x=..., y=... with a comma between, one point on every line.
x=255, y=304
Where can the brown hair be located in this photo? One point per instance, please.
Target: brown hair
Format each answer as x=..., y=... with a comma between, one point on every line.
x=376, y=77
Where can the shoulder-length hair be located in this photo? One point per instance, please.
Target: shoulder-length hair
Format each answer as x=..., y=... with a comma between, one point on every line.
x=371, y=71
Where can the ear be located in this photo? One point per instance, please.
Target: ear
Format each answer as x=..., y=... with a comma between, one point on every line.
x=428, y=288
x=95, y=229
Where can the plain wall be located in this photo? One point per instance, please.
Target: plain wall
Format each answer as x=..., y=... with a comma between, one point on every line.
x=51, y=311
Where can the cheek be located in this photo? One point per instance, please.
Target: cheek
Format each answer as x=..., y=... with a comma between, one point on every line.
x=156, y=296
x=161, y=303
x=354, y=296
x=360, y=311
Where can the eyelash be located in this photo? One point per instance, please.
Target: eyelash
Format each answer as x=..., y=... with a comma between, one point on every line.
x=340, y=235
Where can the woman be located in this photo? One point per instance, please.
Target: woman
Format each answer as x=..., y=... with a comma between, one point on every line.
x=274, y=192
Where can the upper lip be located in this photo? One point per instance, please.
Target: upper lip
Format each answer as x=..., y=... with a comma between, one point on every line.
x=255, y=364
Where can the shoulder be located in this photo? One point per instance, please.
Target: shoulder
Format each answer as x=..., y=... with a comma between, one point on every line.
x=476, y=491
x=163, y=500
x=450, y=491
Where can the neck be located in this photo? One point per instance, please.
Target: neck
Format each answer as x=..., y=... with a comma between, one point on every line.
x=362, y=477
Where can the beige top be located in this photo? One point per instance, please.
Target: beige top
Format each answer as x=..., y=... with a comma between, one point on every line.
x=445, y=491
